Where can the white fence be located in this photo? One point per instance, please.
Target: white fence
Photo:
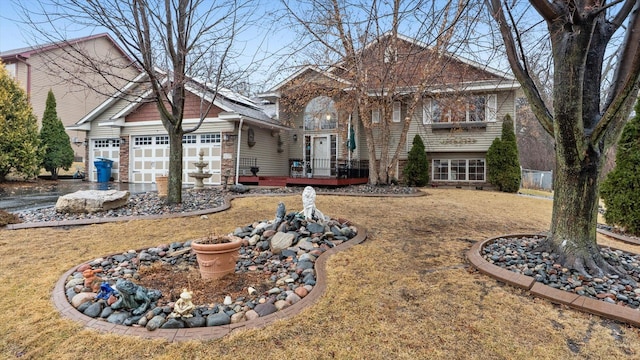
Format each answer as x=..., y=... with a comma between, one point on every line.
x=537, y=179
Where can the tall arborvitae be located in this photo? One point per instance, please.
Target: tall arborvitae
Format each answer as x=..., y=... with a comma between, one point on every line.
x=503, y=166
x=58, y=152
x=416, y=172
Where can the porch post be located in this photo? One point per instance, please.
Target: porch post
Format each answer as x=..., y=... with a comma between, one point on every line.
x=238, y=151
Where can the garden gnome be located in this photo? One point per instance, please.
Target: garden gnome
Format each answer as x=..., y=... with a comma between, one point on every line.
x=183, y=306
x=309, y=205
x=91, y=280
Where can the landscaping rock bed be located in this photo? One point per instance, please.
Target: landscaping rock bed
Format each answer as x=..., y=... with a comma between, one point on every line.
x=288, y=275
x=519, y=255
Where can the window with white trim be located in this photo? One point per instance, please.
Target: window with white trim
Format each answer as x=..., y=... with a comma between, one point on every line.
x=11, y=69
x=440, y=170
x=390, y=54
x=397, y=111
x=321, y=114
x=102, y=143
x=375, y=116
x=458, y=169
x=142, y=140
x=210, y=138
x=189, y=139
x=447, y=109
x=162, y=140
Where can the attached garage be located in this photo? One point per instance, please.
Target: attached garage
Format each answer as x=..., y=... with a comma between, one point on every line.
x=150, y=157
x=129, y=131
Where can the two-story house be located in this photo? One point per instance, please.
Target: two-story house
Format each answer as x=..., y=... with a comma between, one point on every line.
x=454, y=104
x=67, y=69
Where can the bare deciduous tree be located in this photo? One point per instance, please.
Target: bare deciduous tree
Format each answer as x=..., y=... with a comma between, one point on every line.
x=341, y=34
x=583, y=122
x=172, y=42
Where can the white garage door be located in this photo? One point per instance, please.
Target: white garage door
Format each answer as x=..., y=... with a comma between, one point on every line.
x=104, y=149
x=150, y=157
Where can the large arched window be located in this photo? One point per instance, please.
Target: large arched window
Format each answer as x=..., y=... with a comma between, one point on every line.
x=320, y=114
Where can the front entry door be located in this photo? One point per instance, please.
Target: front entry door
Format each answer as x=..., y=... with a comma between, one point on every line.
x=321, y=156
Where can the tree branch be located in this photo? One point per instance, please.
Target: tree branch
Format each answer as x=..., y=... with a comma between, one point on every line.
x=624, y=87
x=519, y=69
x=545, y=9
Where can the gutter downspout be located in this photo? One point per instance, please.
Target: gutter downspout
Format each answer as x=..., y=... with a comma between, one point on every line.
x=238, y=151
x=23, y=60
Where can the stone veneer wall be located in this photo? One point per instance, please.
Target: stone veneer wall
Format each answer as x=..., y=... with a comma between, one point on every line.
x=229, y=146
x=123, y=166
x=86, y=160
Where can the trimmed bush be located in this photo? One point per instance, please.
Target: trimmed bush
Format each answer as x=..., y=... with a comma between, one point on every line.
x=620, y=191
x=416, y=172
x=503, y=166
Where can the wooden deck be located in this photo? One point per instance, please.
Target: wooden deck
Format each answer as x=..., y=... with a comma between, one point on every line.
x=300, y=181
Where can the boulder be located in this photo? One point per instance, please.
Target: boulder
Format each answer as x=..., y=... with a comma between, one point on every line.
x=281, y=241
x=88, y=201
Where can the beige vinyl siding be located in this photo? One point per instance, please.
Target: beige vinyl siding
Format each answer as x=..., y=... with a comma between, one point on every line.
x=265, y=150
x=460, y=140
x=73, y=100
x=394, y=133
x=22, y=72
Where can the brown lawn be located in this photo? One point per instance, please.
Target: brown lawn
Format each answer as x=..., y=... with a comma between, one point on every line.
x=405, y=293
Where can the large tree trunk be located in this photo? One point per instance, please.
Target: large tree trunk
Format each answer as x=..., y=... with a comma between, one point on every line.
x=575, y=215
x=174, y=194
x=578, y=160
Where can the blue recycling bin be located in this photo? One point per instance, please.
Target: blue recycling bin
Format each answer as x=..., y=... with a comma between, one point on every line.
x=103, y=166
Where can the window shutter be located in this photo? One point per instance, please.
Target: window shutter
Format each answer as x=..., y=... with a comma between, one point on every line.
x=396, y=111
x=426, y=111
x=492, y=107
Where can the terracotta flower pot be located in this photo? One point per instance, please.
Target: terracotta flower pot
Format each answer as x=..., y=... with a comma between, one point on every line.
x=216, y=260
x=162, y=184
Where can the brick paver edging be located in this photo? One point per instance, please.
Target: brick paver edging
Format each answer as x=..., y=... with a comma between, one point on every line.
x=579, y=302
x=60, y=301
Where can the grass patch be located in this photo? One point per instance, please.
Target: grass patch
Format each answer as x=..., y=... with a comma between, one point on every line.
x=405, y=293
x=534, y=192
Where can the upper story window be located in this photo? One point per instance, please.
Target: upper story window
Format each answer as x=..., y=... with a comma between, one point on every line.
x=375, y=116
x=472, y=108
x=390, y=54
x=11, y=69
x=321, y=114
x=397, y=111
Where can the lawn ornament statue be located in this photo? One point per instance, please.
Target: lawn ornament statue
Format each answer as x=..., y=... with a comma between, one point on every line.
x=309, y=205
x=183, y=307
x=134, y=297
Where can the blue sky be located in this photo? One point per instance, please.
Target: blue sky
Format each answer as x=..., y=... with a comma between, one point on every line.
x=265, y=37
x=257, y=42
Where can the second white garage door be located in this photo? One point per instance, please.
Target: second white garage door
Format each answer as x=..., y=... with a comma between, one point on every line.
x=150, y=157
